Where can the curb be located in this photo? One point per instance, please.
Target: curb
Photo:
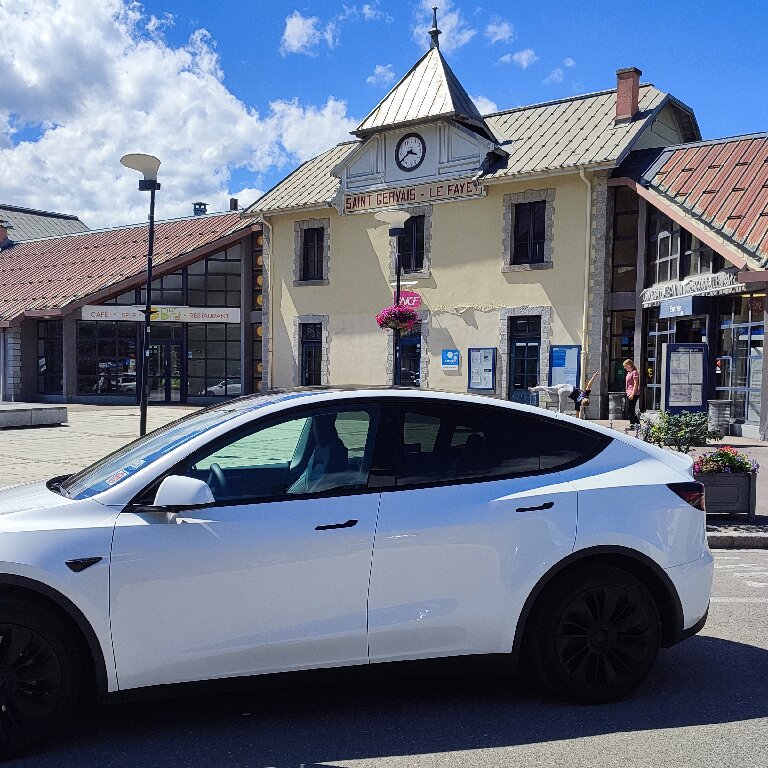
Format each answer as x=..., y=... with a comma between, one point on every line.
x=737, y=541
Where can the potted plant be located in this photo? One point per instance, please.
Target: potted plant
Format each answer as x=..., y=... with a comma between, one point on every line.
x=681, y=431
x=729, y=479
x=398, y=318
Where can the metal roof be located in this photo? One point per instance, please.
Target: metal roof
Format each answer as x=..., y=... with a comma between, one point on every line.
x=722, y=183
x=30, y=224
x=554, y=136
x=428, y=91
x=53, y=273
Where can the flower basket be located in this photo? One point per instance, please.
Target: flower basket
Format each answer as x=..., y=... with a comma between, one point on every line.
x=397, y=318
x=730, y=481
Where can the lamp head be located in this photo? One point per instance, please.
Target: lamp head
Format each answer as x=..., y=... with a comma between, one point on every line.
x=395, y=219
x=147, y=165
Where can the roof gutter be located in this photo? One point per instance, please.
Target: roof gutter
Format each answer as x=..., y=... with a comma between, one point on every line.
x=587, y=252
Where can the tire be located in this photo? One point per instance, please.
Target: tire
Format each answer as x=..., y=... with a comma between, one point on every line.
x=40, y=675
x=594, y=635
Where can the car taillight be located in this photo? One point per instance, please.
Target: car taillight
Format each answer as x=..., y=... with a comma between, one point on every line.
x=692, y=493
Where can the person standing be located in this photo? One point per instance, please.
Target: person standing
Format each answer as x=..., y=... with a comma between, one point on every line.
x=632, y=384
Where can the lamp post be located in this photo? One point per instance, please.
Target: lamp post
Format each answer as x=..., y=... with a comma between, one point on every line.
x=396, y=221
x=146, y=165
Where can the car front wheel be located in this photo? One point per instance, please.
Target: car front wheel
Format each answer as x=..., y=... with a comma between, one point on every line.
x=594, y=636
x=39, y=675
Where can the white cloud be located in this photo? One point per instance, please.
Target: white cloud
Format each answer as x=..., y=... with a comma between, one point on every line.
x=485, y=106
x=91, y=82
x=569, y=62
x=372, y=12
x=499, y=31
x=456, y=32
x=303, y=34
x=383, y=74
x=554, y=77
x=523, y=58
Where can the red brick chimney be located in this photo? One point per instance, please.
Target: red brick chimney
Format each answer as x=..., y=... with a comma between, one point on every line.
x=627, y=93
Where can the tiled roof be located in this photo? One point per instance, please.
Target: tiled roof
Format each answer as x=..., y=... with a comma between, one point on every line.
x=723, y=184
x=558, y=135
x=57, y=271
x=29, y=224
x=429, y=90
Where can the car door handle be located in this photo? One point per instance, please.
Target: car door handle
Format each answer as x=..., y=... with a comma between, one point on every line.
x=545, y=505
x=348, y=524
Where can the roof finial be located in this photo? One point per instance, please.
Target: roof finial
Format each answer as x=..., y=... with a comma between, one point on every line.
x=434, y=32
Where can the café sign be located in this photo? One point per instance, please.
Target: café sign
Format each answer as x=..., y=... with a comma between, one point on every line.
x=163, y=314
x=419, y=194
x=718, y=283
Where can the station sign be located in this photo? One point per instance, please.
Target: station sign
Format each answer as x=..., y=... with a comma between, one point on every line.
x=409, y=299
x=418, y=194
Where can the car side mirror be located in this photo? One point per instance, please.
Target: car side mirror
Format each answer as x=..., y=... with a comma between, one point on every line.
x=177, y=492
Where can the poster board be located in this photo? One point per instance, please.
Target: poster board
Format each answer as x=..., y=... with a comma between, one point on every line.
x=685, y=378
x=481, y=375
x=564, y=364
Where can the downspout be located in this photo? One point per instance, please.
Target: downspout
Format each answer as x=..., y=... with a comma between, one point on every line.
x=587, y=253
x=266, y=337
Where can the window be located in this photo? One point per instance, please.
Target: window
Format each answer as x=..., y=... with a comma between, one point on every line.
x=443, y=442
x=312, y=254
x=700, y=259
x=663, y=249
x=326, y=451
x=529, y=232
x=106, y=356
x=411, y=245
x=311, y=343
x=215, y=281
x=524, y=333
x=50, y=357
x=622, y=347
x=213, y=359
x=659, y=331
x=624, y=277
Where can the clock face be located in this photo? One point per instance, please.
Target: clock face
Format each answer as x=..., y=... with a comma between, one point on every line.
x=409, y=152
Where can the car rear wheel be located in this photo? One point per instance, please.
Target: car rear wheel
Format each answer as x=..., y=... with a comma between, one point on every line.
x=39, y=675
x=594, y=635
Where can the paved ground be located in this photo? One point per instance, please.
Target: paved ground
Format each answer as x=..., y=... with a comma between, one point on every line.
x=705, y=704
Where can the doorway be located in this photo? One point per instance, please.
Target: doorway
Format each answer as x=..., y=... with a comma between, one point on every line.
x=524, y=352
x=165, y=372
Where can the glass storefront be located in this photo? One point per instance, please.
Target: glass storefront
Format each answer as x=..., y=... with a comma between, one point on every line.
x=50, y=357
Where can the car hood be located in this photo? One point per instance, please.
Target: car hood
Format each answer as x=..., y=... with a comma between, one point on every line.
x=29, y=497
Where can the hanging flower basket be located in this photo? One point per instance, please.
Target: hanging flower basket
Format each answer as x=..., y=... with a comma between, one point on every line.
x=397, y=318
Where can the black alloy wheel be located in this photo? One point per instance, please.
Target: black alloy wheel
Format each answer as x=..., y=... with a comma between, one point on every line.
x=39, y=675
x=599, y=635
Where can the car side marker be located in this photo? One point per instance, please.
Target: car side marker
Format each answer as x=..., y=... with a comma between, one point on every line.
x=81, y=563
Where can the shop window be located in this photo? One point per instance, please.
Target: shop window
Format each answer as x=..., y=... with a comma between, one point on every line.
x=106, y=357
x=663, y=249
x=50, y=357
x=311, y=249
x=411, y=245
x=213, y=360
x=529, y=238
x=622, y=346
x=658, y=332
x=625, y=217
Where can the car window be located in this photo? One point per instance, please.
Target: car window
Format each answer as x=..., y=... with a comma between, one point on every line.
x=317, y=452
x=469, y=441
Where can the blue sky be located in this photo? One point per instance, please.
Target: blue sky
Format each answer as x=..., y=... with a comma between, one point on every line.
x=232, y=109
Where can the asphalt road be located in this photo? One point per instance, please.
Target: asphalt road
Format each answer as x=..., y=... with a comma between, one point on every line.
x=705, y=704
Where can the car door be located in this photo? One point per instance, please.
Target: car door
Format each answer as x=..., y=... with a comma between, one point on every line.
x=478, y=515
x=273, y=576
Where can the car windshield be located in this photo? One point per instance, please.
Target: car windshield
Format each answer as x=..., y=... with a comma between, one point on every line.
x=113, y=469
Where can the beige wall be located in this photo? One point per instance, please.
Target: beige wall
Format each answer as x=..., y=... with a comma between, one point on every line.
x=464, y=293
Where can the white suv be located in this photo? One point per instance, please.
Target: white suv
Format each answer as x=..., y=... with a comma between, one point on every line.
x=310, y=529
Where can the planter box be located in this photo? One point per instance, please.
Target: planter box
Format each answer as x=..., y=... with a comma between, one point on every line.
x=730, y=493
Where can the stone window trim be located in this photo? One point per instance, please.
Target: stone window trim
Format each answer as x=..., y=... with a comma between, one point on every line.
x=426, y=270
x=325, y=373
x=508, y=234
x=298, y=246
x=505, y=314
x=423, y=361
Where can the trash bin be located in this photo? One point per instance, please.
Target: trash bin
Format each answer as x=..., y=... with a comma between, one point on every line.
x=616, y=402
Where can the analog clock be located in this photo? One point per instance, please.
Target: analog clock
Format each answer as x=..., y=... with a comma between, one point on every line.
x=410, y=151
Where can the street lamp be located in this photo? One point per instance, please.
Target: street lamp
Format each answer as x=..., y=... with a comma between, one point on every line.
x=396, y=221
x=146, y=165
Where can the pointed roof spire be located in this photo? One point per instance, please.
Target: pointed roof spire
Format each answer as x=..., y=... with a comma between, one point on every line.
x=434, y=32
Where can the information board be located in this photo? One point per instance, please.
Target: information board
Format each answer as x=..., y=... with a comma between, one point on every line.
x=449, y=360
x=482, y=369
x=564, y=364
x=685, y=377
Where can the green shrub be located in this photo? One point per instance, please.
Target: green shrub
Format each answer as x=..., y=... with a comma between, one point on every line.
x=681, y=431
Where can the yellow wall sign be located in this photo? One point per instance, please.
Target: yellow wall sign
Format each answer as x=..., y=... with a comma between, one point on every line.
x=420, y=194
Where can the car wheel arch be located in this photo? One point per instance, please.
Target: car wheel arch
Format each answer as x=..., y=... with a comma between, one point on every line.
x=39, y=594
x=650, y=573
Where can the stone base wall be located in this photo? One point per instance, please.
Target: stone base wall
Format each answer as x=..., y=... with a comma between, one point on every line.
x=12, y=363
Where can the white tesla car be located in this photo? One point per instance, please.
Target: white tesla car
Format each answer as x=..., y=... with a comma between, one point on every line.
x=313, y=529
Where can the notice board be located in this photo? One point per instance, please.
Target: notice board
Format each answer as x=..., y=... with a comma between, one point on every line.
x=685, y=377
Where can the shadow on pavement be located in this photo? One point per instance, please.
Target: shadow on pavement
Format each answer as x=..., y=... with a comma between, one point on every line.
x=703, y=681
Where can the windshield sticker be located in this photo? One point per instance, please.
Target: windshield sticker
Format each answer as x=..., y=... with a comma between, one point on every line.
x=138, y=464
x=117, y=477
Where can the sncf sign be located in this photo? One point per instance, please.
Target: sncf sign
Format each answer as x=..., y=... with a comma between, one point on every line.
x=409, y=299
